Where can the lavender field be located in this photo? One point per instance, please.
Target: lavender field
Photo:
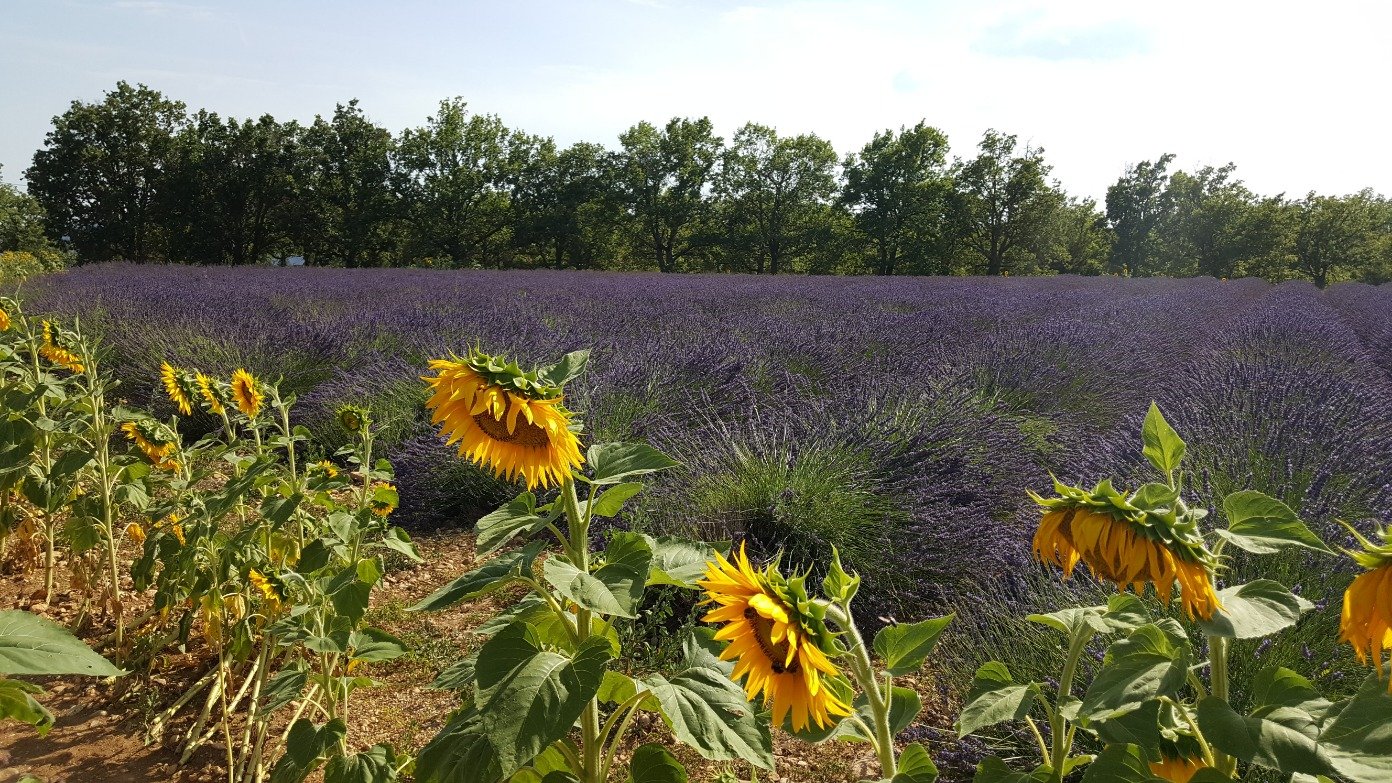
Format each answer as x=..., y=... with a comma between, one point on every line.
x=898, y=419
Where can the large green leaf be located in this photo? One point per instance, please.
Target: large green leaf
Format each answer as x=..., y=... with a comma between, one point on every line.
x=614, y=463
x=17, y=702
x=1161, y=444
x=653, y=763
x=460, y=753
x=708, y=711
x=905, y=647
x=1280, y=687
x=1359, y=739
x=677, y=561
x=566, y=370
x=1255, y=609
x=995, y=697
x=1284, y=738
x=371, y=645
x=532, y=696
x=915, y=766
x=518, y=515
x=488, y=577
x=994, y=770
x=377, y=764
x=305, y=747
x=616, y=588
x=1140, y=726
x=1120, y=764
x=1150, y=662
x=611, y=501
x=1262, y=524
x=30, y=644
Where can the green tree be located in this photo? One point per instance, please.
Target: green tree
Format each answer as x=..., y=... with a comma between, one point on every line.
x=344, y=174
x=899, y=190
x=456, y=175
x=664, y=175
x=779, y=188
x=101, y=170
x=1009, y=204
x=1335, y=235
x=1136, y=204
x=232, y=186
x=567, y=206
x=1077, y=240
x=1214, y=225
x=21, y=221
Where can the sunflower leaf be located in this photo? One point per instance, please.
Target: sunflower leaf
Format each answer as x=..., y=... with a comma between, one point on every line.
x=708, y=711
x=30, y=644
x=1284, y=738
x=993, y=770
x=518, y=515
x=564, y=371
x=678, y=561
x=652, y=763
x=1263, y=525
x=484, y=579
x=905, y=647
x=616, y=588
x=915, y=766
x=1162, y=445
x=611, y=501
x=994, y=698
x=613, y=463
x=1150, y=662
x=17, y=702
x=1359, y=739
x=1120, y=764
x=1255, y=609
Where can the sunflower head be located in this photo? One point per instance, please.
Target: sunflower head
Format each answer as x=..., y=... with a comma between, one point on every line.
x=509, y=420
x=156, y=441
x=1148, y=537
x=353, y=418
x=4, y=318
x=384, y=500
x=778, y=639
x=247, y=393
x=214, y=393
x=1366, y=621
x=180, y=386
x=135, y=532
x=1176, y=770
x=57, y=348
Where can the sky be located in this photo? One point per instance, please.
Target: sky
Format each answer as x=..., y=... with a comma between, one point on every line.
x=1296, y=94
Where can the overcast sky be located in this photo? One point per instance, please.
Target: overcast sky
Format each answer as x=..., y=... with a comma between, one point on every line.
x=1296, y=94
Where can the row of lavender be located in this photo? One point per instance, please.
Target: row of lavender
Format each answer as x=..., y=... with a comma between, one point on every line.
x=930, y=403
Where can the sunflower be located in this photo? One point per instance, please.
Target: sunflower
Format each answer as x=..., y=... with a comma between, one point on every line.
x=4, y=320
x=209, y=393
x=135, y=532
x=154, y=441
x=503, y=418
x=1128, y=545
x=1366, y=622
x=1176, y=770
x=778, y=639
x=246, y=391
x=57, y=354
x=384, y=500
x=176, y=386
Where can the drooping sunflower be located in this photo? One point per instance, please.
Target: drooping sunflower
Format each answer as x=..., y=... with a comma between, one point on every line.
x=246, y=392
x=501, y=417
x=1131, y=546
x=4, y=320
x=778, y=639
x=155, y=441
x=1176, y=770
x=176, y=386
x=209, y=391
x=57, y=353
x=1366, y=622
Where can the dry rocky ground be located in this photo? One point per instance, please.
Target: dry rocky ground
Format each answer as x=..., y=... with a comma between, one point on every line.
x=101, y=725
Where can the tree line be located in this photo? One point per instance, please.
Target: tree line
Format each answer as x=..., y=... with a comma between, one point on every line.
x=136, y=176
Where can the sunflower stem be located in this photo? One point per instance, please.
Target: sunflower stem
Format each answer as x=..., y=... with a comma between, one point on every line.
x=864, y=671
x=1059, y=735
x=1218, y=663
x=580, y=545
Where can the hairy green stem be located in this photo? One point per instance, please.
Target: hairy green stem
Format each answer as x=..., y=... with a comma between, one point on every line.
x=858, y=660
x=1059, y=735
